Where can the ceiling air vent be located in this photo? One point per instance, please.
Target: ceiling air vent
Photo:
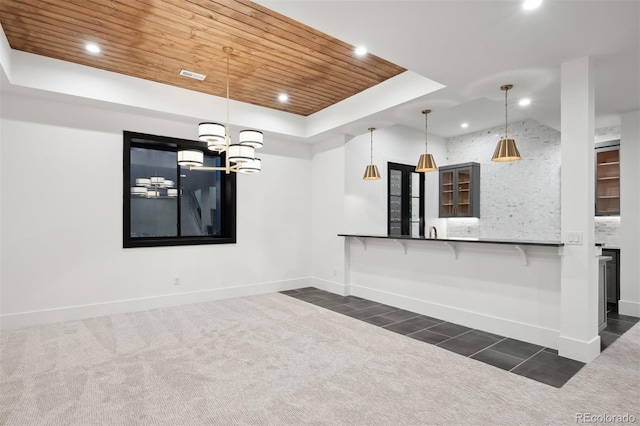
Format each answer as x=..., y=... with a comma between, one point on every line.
x=192, y=74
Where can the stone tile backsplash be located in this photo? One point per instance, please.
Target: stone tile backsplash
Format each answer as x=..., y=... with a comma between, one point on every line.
x=518, y=200
x=521, y=200
x=604, y=134
x=608, y=230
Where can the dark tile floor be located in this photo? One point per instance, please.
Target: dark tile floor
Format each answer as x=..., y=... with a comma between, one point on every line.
x=535, y=362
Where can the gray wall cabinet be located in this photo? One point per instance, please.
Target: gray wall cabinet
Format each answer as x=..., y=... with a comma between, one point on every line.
x=460, y=190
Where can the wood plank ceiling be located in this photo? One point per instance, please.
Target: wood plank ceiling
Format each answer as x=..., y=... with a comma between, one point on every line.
x=155, y=39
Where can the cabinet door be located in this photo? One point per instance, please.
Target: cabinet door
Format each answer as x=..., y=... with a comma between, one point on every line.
x=608, y=181
x=462, y=192
x=446, y=193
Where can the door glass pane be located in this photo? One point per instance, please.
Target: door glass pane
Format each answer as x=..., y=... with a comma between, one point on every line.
x=415, y=215
x=415, y=229
x=395, y=178
x=201, y=211
x=395, y=229
x=395, y=215
x=415, y=209
x=415, y=184
x=446, y=188
x=464, y=186
x=154, y=206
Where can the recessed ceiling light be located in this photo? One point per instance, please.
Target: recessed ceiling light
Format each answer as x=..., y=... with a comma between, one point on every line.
x=531, y=4
x=283, y=97
x=92, y=48
x=464, y=125
x=524, y=102
x=361, y=50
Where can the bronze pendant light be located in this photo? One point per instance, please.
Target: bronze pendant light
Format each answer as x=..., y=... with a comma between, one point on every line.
x=506, y=149
x=371, y=172
x=426, y=163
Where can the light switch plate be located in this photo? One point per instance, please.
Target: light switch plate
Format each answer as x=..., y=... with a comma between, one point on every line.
x=573, y=238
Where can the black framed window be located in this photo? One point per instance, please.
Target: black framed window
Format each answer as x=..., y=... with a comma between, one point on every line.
x=405, y=206
x=168, y=205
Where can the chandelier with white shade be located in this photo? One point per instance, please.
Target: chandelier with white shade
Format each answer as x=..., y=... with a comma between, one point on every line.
x=240, y=157
x=154, y=187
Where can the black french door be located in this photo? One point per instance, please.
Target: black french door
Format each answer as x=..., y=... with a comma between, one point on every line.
x=405, y=206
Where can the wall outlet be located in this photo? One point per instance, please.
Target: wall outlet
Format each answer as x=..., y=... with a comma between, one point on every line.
x=176, y=281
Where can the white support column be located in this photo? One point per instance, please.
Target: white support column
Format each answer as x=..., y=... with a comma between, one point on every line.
x=579, y=338
x=630, y=215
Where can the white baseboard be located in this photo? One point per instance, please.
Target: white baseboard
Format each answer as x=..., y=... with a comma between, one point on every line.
x=70, y=313
x=504, y=327
x=579, y=350
x=627, y=307
x=330, y=286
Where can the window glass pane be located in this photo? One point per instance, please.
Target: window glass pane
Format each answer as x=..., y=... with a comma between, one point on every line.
x=154, y=211
x=201, y=211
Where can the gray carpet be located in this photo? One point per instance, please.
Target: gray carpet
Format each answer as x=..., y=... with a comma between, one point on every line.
x=275, y=360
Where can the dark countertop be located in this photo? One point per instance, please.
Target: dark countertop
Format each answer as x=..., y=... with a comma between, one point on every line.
x=462, y=240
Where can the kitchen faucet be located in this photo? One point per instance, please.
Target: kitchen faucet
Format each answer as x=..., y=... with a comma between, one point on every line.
x=433, y=232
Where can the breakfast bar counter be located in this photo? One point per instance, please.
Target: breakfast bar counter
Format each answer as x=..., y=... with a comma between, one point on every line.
x=506, y=287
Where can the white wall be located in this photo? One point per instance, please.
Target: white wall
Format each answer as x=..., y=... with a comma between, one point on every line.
x=520, y=199
x=630, y=215
x=2, y=83
x=327, y=214
x=61, y=217
x=366, y=201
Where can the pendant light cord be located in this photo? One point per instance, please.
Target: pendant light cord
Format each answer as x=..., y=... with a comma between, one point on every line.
x=506, y=122
x=425, y=133
x=228, y=51
x=371, y=145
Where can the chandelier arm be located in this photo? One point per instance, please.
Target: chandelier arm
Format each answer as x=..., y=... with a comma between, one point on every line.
x=221, y=169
